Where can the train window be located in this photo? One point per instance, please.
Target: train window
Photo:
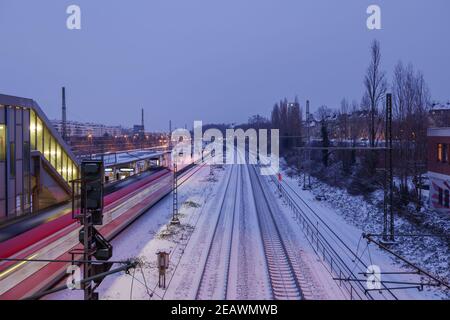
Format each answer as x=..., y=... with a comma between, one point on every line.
x=446, y=199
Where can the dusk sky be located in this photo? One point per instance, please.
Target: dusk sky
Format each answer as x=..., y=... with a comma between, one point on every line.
x=210, y=60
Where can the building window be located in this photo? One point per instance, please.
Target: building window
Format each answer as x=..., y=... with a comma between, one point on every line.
x=2, y=142
x=26, y=156
x=46, y=144
x=33, y=129
x=39, y=135
x=59, y=159
x=441, y=196
x=442, y=152
x=12, y=159
x=75, y=172
x=64, y=165
x=447, y=199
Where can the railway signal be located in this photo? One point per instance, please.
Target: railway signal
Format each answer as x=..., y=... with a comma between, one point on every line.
x=91, y=214
x=92, y=173
x=102, y=248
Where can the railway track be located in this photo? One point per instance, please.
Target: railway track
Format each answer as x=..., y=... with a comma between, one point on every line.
x=282, y=267
x=342, y=264
x=213, y=282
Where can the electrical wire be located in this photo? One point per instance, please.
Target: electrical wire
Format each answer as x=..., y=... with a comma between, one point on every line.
x=145, y=282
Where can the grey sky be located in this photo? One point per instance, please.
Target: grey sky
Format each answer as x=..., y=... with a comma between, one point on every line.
x=210, y=60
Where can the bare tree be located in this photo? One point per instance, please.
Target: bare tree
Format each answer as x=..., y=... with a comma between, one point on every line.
x=375, y=84
x=411, y=99
x=343, y=120
x=275, y=117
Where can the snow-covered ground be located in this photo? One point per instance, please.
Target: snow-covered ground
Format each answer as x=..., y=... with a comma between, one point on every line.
x=151, y=233
x=219, y=251
x=248, y=276
x=343, y=218
x=225, y=259
x=235, y=268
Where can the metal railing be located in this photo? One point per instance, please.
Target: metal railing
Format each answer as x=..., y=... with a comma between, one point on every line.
x=321, y=246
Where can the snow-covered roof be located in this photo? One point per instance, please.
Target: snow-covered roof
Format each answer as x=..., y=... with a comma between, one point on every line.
x=441, y=106
x=439, y=132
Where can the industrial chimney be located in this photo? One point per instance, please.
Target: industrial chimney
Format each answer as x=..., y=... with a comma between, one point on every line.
x=64, y=115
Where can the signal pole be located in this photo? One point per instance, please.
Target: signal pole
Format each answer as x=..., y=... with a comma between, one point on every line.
x=307, y=154
x=87, y=236
x=88, y=227
x=175, y=219
x=91, y=214
x=391, y=170
x=388, y=219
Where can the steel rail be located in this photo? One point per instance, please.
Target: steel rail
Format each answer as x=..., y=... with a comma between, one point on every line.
x=213, y=242
x=277, y=239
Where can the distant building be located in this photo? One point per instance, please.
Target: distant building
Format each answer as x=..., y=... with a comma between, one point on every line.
x=82, y=129
x=439, y=168
x=313, y=126
x=440, y=115
x=139, y=130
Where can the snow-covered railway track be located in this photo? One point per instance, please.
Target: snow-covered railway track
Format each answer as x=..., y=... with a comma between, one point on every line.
x=214, y=278
x=282, y=268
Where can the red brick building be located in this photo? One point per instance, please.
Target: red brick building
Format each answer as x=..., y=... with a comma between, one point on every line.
x=439, y=168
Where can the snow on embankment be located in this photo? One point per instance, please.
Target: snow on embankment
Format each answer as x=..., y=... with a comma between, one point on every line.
x=430, y=253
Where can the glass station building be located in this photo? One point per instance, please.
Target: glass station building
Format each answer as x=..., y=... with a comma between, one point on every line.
x=36, y=165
